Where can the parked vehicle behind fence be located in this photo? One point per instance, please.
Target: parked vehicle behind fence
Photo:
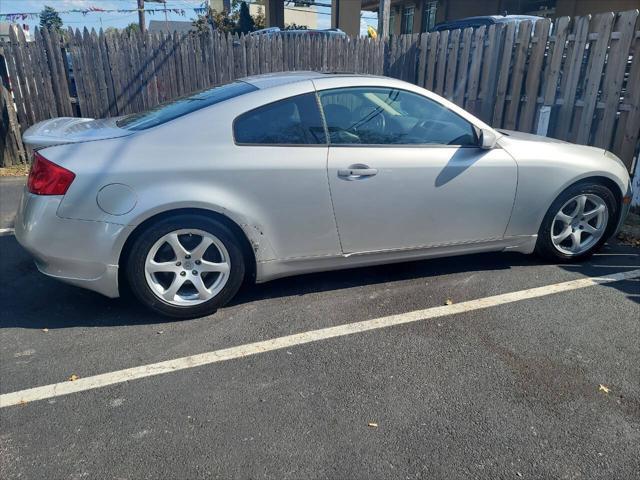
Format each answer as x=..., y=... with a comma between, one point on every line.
x=273, y=31
x=487, y=20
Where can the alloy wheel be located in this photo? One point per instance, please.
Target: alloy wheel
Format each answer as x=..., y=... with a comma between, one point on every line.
x=187, y=267
x=580, y=224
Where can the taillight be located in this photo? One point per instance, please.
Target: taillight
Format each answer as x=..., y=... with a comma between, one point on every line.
x=47, y=178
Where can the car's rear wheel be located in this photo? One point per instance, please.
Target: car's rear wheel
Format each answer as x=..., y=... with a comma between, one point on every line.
x=578, y=223
x=186, y=266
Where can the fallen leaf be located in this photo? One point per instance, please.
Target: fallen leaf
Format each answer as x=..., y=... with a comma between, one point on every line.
x=45, y=329
x=372, y=425
x=603, y=388
x=73, y=377
x=160, y=332
x=448, y=302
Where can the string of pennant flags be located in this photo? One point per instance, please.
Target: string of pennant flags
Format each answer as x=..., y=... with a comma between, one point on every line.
x=20, y=16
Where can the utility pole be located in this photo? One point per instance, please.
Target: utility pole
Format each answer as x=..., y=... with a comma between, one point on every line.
x=384, y=12
x=141, y=16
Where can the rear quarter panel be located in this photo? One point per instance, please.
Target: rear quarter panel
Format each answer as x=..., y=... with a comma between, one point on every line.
x=279, y=196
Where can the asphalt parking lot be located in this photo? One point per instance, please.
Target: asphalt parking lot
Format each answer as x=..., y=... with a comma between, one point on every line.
x=545, y=386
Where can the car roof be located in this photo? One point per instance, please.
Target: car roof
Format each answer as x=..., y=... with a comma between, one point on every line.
x=270, y=80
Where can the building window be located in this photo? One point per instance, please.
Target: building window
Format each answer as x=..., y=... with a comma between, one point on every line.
x=407, y=19
x=429, y=16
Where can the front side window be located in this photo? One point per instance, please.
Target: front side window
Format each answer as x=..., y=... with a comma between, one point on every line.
x=293, y=121
x=182, y=106
x=387, y=116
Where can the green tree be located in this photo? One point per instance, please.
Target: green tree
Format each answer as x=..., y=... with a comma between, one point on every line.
x=259, y=20
x=50, y=19
x=245, y=23
x=132, y=28
x=227, y=22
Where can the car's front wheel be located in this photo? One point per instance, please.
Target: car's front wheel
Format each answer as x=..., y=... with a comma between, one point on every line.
x=185, y=266
x=578, y=222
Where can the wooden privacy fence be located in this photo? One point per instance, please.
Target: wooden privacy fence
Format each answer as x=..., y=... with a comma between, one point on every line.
x=576, y=79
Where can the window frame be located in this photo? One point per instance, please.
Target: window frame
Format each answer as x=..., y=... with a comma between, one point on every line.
x=408, y=11
x=475, y=128
x=305, y=145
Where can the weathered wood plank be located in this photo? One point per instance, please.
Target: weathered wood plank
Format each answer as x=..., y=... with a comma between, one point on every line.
x=441, y=67
x=488, y=77
x=602, y=24
x=614, y=77
x=430, y=75
x=460, y=88
x=570, y=82
x=534, y=75
x=503, y=78
x=471, y=103
x=628, y=130
x=452, y=64
x=517, y=74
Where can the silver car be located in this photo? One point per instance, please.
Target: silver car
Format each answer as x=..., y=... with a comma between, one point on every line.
x=289, y=173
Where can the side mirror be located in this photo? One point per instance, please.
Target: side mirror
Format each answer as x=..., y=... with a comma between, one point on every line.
x=488, y=139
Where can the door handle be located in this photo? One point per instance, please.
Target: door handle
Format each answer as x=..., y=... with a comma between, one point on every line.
x=355, y=172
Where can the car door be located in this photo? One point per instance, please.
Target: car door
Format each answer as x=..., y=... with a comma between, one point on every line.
x=406, y=172
x=278, y=167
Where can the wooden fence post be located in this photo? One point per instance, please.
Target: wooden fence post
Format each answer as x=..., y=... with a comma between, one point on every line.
x=11, y=149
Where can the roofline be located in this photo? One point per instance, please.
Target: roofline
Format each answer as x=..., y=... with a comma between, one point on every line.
x=270, y=80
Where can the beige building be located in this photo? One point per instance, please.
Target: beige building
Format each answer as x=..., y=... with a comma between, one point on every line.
x=298, y=14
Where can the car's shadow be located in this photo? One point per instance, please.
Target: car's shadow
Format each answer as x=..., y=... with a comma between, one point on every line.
x=29, y=299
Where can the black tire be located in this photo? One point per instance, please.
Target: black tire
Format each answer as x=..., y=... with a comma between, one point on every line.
x=545, y=247
x=135, y=265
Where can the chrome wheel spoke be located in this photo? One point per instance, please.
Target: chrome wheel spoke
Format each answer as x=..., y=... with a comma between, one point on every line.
x=170, y=293
x=160, y=267
x=564, y=218
x=594, y=213
x=581, y=201
x=214, y=267
x=576, y=237
x=589, y=229
x=173, y=241
x=562, y=236
x=203, y=292
x=198, y=252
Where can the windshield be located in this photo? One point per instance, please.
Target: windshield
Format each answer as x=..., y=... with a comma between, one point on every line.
x=184, y=105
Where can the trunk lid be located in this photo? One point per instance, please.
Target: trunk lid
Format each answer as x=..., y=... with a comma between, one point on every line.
x=58, y=131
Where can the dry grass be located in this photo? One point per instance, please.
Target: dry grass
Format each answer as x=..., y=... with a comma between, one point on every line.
x=14, y=171
x=630, y=231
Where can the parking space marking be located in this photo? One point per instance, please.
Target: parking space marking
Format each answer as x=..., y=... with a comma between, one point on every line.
x=168, y=366
x=7, y=231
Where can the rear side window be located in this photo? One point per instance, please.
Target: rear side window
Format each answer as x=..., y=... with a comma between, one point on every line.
x=184, y=105
x=293, y=121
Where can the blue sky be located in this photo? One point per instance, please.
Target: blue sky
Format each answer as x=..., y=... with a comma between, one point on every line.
x=119, y=20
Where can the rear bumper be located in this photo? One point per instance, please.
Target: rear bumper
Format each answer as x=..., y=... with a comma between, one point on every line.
x=79, y=252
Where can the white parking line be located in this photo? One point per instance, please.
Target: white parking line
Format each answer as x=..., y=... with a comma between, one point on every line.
x=8, y=231
x=135, y=373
